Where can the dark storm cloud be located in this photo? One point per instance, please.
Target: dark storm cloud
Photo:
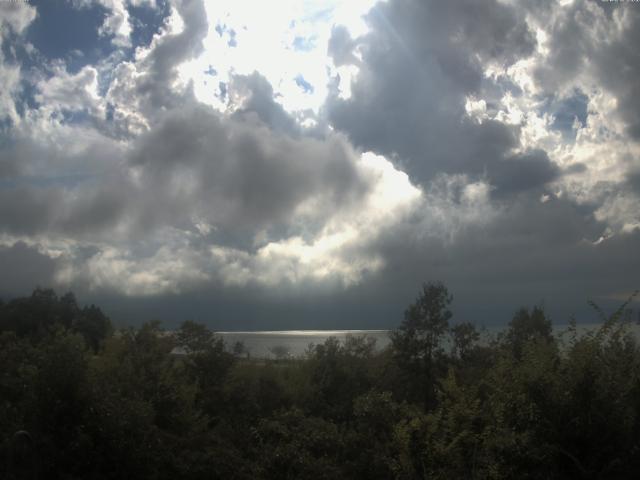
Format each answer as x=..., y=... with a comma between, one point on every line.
x=523, y=172
x=633, y=180
x=530, y=252
x=419, y=62
x=58, y=184
x=9, y=161
x=238, y=173
x=18, y=153
x=23, y=268
x=32, y=210
x=100, y=210
x=508, y=265
x=28, y=211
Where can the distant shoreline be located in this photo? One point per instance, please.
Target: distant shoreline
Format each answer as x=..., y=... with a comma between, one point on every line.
x=300, y=332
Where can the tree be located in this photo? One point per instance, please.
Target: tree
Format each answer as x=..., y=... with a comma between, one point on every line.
x=338, y=373
x=294, y=445
x=143, y=406
x=417, y=339
x=280, y=352
x=526, y=327
x=416, y=343
x=194, y=337
x=463, y=336
x=40, y=314
x=207, y=363
x=240, y=349
x=93, y=325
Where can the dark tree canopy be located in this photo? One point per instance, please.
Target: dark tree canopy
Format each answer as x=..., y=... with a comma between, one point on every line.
x=417, y=342
x=463, y=337
x=78, y=401
x=425, y=322
x=37, y=315
x=526, y=326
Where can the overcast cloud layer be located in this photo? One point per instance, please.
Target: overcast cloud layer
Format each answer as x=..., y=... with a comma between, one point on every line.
x=308, y=165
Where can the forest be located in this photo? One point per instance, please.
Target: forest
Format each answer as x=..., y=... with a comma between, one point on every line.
x=82, y=400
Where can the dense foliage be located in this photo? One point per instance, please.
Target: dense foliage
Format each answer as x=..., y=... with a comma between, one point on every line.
x=80, y=401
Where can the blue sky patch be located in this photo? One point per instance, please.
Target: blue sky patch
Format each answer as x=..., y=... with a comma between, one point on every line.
x=303, y=84
x=146, y=21
x=230, y=32
x=567, y=109
x=304, y=44
x=26, y=98
x=223, y=90
x=63, y=32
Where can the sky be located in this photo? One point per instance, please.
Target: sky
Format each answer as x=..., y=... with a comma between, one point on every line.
x=309, y=164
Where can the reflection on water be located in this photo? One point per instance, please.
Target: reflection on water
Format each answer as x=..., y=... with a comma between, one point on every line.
x=261, y=344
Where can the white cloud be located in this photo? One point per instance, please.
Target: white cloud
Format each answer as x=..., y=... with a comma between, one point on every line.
x=10, y=79
x=64, y=91
x=16, y=16
x=116, y=23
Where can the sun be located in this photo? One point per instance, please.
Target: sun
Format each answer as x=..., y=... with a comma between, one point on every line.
x=284, y=41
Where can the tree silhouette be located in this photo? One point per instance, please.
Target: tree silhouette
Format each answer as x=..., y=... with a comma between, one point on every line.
x=416, y=343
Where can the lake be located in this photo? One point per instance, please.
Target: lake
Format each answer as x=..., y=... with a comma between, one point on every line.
x=296, y=342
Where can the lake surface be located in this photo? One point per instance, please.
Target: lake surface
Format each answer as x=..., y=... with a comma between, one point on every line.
x=296, y=342
x=260, y=343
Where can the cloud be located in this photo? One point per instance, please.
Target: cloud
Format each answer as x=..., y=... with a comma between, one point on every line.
x=236, y=201
x=309, y=169
x=590, y=45
x=242, y=173
x=341, y=47
x=28, y=266
x=456, y=106
x=500, y=258
x=10, y=78
x=70, y=92
x=253, y=94
x=267, y=206
x=16, y=16
x=170, y=50
x=454, y=99
x=116, y=23
x=150, y=84
x=523, y=172
x=419, y=63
